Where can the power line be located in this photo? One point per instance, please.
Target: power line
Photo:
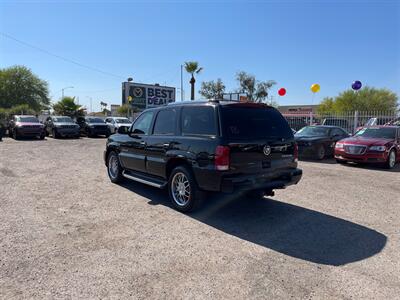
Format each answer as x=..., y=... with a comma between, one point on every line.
x=61, y=57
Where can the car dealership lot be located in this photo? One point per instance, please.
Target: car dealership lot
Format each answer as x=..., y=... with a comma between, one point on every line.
x=67, y=231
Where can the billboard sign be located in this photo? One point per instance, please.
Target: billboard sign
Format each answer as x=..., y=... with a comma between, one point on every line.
x=145, y=96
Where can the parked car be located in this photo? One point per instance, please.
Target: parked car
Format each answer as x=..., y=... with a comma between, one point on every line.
x=394, y=122
x=25, y=126
x=195, y=147
x=318, y=141
x=61, y=126
x=115, y=122
x=378, y=144
x=93, y=126
x=2, y=130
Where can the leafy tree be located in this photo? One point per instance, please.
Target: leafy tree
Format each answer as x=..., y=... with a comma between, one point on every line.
x=18, y=86
x=326, y=106
x=192, y=67
x=212, y=89
x=67, y=107
x=124, y=110
x=257, y=91
x=366, y=99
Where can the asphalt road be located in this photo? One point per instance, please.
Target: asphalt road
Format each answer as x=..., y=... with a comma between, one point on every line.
x=67, y=232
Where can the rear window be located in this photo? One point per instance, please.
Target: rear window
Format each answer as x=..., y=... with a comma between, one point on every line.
x=246, y=123
x=198, y=120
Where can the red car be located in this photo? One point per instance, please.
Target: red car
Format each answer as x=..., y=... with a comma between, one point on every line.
x=377, y=144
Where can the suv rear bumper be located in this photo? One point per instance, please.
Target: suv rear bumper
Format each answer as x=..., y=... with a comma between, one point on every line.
x=262, y=181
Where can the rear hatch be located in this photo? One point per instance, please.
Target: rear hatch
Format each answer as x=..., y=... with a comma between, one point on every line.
x=259, y=138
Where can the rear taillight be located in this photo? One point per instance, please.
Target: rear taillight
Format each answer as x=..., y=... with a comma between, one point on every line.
x=296, y=152
x=222, y=158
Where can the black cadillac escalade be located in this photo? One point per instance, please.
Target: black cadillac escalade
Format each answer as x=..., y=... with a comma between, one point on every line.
x=218, y=146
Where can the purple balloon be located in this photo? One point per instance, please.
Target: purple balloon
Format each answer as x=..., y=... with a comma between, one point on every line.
x=356, y=85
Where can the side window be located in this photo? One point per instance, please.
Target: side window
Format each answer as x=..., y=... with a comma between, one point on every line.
x=165, y=122
x=336, y=131
x=143, y=123
x=198, y=120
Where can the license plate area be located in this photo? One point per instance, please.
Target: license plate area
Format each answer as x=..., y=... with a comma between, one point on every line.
x=266, y=164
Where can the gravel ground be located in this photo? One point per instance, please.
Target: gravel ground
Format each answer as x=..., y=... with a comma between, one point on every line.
x=67, y=232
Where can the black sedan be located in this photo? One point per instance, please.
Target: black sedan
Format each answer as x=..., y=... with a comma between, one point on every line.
x=318, y=141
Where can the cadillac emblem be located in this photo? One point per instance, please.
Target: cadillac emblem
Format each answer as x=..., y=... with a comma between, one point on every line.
x=267, y=150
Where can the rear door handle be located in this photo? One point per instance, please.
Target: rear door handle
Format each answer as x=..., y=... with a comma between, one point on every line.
x=143, y=143
x=166, y=145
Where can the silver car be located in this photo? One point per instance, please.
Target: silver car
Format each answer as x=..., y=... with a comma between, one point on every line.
x=115, y=122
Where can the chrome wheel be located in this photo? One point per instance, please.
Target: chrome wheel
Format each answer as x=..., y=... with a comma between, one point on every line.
x=392, y=159
x=180, y=189
x=113, y=167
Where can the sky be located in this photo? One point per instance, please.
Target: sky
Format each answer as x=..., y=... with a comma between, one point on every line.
x=295, y=43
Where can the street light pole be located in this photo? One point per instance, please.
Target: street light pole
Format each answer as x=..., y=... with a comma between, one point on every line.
x=90, y=98
x=62, y=90
x=181, y=82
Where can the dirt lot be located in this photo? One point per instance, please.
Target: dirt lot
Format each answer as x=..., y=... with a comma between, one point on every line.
x=67, y=232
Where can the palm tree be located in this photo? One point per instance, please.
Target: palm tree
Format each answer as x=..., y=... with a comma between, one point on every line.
x=67, y=107
x=192, y=67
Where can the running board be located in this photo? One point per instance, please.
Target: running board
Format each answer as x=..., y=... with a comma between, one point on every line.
x=139, y=178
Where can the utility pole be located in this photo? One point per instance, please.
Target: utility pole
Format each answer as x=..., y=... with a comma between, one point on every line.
x=62, y=91
x=91, y=108
x=181, y=82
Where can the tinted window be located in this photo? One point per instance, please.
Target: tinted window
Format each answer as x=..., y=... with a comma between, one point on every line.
x=27, y=119
x=62, y=119
x=143, y=123
x=337, y=131
x=198, y=120
x=253, y=122
x=313, y=131
x=95, y=120
x=122, y=121
x=165, y=122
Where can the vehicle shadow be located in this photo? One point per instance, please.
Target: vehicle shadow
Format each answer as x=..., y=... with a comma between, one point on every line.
x=328, y=161
x=26, y=139
x=396, y=169
x=288, y=229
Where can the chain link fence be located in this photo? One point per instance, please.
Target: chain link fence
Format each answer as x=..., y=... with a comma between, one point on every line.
x=350, y=121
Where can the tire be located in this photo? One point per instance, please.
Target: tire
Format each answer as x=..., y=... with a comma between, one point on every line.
x=15, y=134
x=54, y=133
x=89, y=133
x=42, y=136
x=183, y=190
x=391, y=161
x=114, y=169
x=256, y=194
x=321, y=152
x=108, y=133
